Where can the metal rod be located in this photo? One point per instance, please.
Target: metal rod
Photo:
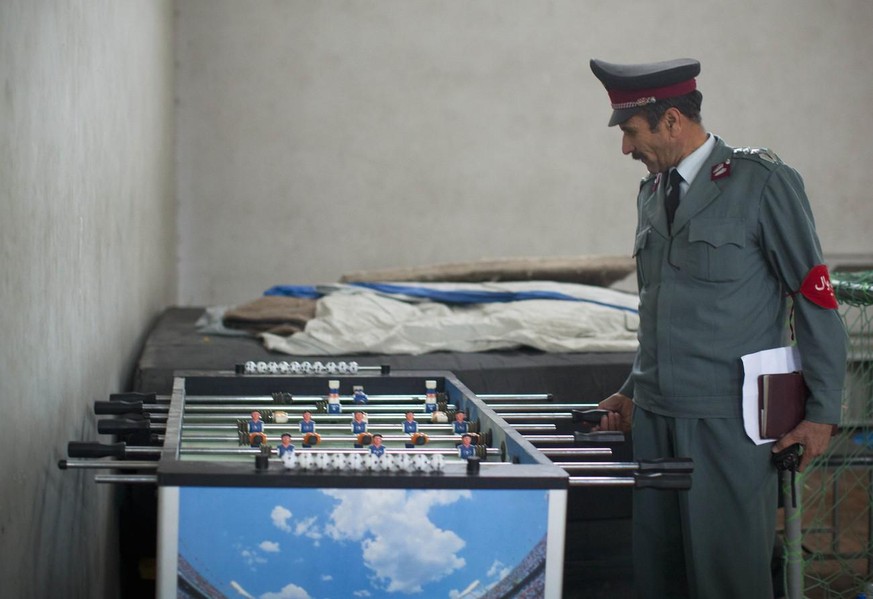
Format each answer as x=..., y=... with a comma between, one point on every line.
x=254, y=450
x=324, y=439
x=540, y=407
x=581, y=452
x=292, y=426
x=127, y=479
x=344, y=399
x=528, y=428
x=535, y=416
x=319, y=417
x=241, y=411
x=597, y=466
x=486, y=397
x=602, y=481
x=559, y=439
x=793, y=536
x=110, y=465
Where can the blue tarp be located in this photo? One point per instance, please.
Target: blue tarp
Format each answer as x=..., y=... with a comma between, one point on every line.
x=445, y=296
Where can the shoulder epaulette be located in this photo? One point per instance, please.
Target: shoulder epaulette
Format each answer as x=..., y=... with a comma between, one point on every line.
x=759, y=154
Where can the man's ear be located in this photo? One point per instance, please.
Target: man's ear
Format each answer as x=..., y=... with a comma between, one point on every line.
x=673, y=120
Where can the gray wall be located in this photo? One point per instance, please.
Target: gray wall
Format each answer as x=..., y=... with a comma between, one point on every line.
x=318, y=138
x=87, y=258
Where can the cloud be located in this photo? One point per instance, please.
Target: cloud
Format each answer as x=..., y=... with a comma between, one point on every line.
x=326, y=577
x=289, y=591
x=269, y=547
x=251, y=557
x=498, y=570
x=362, y=593
x=468, y=592
x=306, y=528
x=280, y=517
x=399, y=542
x=238, y=588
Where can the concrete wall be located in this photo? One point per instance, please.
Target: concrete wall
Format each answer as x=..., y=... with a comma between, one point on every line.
x=318, y=138
x=87, y=250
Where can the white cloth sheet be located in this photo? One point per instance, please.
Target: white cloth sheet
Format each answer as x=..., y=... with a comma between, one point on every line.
x=353, y=320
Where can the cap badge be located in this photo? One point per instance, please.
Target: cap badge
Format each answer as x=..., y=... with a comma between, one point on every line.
x=634, y=103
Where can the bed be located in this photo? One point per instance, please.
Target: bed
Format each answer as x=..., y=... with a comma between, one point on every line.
x=575, y=342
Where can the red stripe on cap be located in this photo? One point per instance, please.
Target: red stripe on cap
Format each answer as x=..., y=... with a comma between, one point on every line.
x=643, y=96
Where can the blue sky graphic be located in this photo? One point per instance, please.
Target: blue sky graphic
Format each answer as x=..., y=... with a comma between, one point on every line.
x=324, y=543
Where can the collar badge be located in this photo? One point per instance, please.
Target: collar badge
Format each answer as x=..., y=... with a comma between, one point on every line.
x=720, y=170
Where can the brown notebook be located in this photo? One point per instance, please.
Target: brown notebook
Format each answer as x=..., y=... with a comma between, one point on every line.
x=782, y=403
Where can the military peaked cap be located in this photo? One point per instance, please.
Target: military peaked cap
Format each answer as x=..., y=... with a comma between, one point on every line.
x=632, y=86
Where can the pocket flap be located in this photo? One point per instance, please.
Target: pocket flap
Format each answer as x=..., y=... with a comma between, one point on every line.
x=717, y=231
x=641, y=239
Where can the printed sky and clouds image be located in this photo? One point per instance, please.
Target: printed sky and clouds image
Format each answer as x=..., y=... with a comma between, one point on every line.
x=323, y=543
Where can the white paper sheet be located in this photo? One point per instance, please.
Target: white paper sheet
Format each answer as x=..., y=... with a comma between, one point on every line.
x=769, y=361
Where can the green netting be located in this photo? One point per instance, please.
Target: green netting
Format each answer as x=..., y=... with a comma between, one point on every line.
x=837, y=491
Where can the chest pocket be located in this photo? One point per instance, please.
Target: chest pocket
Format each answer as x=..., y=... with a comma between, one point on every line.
x=649, y=250
x=715, y=250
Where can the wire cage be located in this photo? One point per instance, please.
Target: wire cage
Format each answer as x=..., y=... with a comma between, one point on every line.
x=837, y=491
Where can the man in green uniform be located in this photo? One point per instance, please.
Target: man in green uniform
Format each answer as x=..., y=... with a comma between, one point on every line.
x=727, y=254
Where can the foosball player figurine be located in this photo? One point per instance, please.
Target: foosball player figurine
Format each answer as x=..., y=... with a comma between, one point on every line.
x=333, y=400
x=285, y=446
x=376, y=448
x=430, y=398
x=310, y=439
x=359, y=426
x=307, y=425
x=460, y=426
x=439, y=417
x=262, y=459
x=466, y=448
x=410, y=427
x=358, y=394
x=256, y=430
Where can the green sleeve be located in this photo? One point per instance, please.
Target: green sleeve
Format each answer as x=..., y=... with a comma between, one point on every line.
x=792, y=247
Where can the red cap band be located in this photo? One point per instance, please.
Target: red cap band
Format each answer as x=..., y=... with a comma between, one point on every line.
x=630, y=98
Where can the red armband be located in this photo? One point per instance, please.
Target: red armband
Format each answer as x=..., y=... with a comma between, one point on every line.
x=816, y=287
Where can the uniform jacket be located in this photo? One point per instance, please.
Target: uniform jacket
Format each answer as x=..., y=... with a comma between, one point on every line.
x=743, y=240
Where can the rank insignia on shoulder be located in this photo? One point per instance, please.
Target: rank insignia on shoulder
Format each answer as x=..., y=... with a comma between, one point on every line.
x=762, y=153
x=816, y=287
x=720, y=171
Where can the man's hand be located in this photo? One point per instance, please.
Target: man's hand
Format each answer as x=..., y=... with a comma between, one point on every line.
x=621, y=409
x=814, y=437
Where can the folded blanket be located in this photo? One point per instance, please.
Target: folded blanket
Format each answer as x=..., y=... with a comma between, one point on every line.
x=273, y=314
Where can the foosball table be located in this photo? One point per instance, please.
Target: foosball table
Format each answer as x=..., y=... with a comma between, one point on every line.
x=338, y=480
